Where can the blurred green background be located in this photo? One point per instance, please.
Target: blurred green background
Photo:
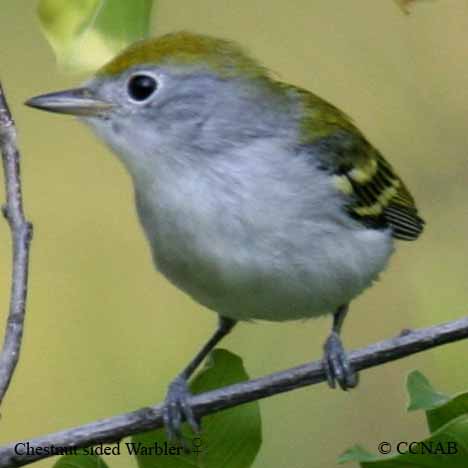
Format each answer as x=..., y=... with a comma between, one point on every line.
x=105, y=333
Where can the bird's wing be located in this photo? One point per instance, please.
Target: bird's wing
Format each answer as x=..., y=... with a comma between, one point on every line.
x=378, y=197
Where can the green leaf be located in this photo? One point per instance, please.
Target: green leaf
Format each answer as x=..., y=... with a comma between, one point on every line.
x=87, y=33
x=441, y=415
x=421, y=393
x=80, y=460
x=446, y=448
x=440, y=408
x=229, y=439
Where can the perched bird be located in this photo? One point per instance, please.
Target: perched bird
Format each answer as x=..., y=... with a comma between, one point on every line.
x=259, y=199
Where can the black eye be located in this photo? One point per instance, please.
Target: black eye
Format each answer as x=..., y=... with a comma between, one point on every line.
x=141, y=87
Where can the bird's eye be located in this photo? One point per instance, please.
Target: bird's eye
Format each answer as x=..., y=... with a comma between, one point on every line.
x=141, y=87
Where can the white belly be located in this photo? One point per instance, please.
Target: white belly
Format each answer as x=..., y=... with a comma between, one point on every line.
x=252, y=244
x=249, y=284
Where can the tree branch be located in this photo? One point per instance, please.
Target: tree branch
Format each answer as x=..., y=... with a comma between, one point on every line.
x=21, y=231
x=117, y=427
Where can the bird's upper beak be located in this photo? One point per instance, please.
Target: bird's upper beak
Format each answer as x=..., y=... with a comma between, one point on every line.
x=79, y=101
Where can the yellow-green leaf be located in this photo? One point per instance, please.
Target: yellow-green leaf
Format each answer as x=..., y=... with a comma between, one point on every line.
x=87, y=33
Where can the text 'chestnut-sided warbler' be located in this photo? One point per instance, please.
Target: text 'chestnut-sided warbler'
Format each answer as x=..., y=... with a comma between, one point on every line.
x=258, y=198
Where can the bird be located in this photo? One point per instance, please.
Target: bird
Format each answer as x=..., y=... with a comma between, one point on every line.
x=259, y=199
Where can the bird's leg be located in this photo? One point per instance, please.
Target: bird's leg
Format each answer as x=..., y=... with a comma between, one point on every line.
x=337, y=366
x=176, y=405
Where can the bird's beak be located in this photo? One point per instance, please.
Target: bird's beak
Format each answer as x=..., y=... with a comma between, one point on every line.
x=80, y=102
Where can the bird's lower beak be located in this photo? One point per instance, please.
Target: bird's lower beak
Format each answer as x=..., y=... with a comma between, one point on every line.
x=79, y=101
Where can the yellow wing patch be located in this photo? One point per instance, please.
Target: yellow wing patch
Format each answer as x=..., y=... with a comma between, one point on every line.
x=364, y=174
x=378, y=197
x=380, y=194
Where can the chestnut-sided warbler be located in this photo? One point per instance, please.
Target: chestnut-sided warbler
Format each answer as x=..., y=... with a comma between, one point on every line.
x=258, y=198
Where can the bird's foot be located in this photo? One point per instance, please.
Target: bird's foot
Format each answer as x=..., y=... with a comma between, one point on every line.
x=337, y=366
x=177, y=408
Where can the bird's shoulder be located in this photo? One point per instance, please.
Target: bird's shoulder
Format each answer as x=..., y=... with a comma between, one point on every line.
x=378, y=196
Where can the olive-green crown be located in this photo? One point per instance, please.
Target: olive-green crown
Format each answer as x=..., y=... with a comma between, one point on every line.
x=223, y=57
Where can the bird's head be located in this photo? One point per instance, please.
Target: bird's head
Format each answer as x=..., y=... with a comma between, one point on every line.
x=181, y=91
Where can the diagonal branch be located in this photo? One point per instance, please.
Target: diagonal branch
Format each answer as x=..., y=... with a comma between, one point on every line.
x=117, y=427
x=21, y=231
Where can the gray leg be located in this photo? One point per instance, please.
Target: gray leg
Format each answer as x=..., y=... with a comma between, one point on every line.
x=176, y=405
x=337, y=366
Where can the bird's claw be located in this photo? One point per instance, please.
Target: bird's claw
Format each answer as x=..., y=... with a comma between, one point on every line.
x=336, y=363
x=177, y=408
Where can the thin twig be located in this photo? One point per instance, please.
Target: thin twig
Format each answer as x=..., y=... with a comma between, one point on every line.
x=21, y=231
x=117, y=427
